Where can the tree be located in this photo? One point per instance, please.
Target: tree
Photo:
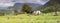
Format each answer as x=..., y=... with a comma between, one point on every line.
x=2, y=13
x=48, y=9
x=26, y=8
x=54, y=3
x=13, y=10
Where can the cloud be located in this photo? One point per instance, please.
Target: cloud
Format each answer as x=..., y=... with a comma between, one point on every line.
x=6, y=4
x=5, y=1
x=11, y=2
x=32, y=1
x=43, y=1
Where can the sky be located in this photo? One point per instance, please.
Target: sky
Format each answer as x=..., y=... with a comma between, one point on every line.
x=5, y=3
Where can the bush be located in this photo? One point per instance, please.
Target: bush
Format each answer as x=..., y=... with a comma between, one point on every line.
x=2, y=14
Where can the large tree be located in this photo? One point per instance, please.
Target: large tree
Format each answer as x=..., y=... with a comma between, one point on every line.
x=54, y=4
x=26, y=8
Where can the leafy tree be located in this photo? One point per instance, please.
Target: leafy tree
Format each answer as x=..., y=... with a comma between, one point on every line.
x=14, y=10
x=58, y=7
x=26, y=8
x=48, y=9
x=54, y=4
x=2, y=13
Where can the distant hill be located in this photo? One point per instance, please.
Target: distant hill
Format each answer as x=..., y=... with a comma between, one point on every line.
x=19, y=5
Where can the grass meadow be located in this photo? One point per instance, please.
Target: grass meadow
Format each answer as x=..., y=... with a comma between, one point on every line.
x=28, y=18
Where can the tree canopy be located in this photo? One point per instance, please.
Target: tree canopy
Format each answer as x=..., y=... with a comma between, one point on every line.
x=26, y=8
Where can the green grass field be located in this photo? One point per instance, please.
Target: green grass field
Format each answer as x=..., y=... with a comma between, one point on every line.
x=24, y=18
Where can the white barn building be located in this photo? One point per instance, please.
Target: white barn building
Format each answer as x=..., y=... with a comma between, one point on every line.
x=36, y=12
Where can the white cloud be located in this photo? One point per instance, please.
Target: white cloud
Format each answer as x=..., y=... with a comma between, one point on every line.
x=6, y=4
x=10, y=3
x=5, y=1
x=33, y=1
x=43, y=1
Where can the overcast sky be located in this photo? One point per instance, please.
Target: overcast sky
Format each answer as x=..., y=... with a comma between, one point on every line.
x=4, y=3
